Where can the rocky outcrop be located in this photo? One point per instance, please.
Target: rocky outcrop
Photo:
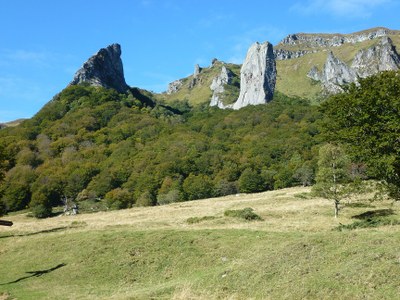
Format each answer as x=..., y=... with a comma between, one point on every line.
x=196, y=73
x=218, y=87
x=103, y=69
x=382, y=57
x=174, y=86
x=197, y=70
x=367, y=62
x=334, y=40
x=314, y=74
x=257, y=76
x=282, y=54
x=336, y=73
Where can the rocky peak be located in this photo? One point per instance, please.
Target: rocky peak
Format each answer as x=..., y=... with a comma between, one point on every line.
x=257, y=76
x=336, y=73
x=218, y=86
x=196, y=73
x=382, y=57
x=197, y=70
x=103, y=69
x=174, y=86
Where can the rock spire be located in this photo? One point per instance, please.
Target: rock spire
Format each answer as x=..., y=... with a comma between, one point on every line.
x=218, y=86
x=103, y=69
x=257, y=76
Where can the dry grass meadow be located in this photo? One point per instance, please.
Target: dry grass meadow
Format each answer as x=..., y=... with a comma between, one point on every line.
x=155, y=253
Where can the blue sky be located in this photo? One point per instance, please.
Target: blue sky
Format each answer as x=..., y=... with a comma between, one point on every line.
x=43, y=42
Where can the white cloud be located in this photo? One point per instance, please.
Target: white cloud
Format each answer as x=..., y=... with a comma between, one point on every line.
x=340, y=8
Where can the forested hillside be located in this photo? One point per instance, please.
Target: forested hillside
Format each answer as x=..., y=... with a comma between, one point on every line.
x=109, y=151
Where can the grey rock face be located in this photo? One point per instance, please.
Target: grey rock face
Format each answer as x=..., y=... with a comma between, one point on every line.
x=367, y=62
x=217, y=86
x=257, y=76
x=282, y=54
x=336, y=73
x=197, y=70
x=333, y=40
x=103, y=69
x=174, y=86
x=196, y=73
x=382, y=57
x=314, y=74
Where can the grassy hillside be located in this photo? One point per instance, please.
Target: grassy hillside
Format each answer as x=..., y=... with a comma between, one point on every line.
x=148, y=253
x=199, y=91
x=292, y=77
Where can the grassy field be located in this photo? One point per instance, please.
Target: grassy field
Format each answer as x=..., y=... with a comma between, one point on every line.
x=191, y=250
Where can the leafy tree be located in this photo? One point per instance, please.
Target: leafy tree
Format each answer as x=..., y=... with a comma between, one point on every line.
x=146, y=199
x=304, y=174
x=40, y=204
x=333, y=178
x=3, y=208
x=367, y=118
x=197, y=187
x=250, y=181
x=119, y=198
x=17, y=187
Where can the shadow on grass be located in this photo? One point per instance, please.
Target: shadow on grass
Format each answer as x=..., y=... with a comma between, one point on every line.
x=35, y=274
x=34, y=233
x=374, y=213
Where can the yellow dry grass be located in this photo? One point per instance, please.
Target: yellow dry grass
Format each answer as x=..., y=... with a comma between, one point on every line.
x=291, y=209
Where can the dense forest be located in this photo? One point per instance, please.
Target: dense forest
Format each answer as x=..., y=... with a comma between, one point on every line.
x=106, y=150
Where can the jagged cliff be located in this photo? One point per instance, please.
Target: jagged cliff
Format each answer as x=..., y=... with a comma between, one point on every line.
x=377, y=58
x=304, y=65
x=103, y=69
x=335, y=40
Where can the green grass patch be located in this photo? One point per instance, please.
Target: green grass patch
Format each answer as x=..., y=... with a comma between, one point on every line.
x=369, y=223
x=247, y=214
x=303, y=196
x=122, y=263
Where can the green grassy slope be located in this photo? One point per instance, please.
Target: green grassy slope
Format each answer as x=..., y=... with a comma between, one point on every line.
x=154, y=253
x=201, y=92
x=292, y=77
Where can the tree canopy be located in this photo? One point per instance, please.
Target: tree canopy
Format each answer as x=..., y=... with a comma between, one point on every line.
x=91, y=144
x=366, y=117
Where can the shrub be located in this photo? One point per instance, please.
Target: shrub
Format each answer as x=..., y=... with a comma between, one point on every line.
x=245, y=213
x=40, y=205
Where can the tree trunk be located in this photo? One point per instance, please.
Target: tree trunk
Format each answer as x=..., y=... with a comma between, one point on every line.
x=336, y=208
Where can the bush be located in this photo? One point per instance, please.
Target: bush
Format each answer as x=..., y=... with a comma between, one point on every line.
x=40, y=205
x=41, y=211
x=245, y=213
